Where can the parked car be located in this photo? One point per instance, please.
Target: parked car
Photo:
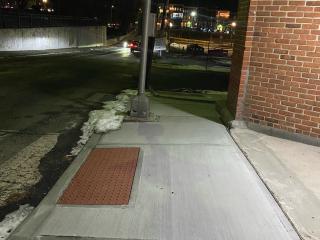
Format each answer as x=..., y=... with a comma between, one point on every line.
x=195, y=49
x=218, y=52
x=135, y=46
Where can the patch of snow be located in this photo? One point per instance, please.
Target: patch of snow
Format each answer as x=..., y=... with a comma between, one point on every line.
x=13, y=220
x=21, y=171
x=109, y=118
x=198, y=91
x=212, y=92
x=108, y=121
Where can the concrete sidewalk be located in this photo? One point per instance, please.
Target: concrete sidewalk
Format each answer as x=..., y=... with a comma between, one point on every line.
x=291, y=170
x=192, y=182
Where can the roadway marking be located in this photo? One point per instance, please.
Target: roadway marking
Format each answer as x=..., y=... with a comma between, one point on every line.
x=21, y=171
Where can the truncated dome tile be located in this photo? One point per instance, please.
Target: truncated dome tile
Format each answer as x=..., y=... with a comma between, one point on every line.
x=105, y=178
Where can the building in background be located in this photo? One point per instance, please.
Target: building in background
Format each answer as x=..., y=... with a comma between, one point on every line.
x=180, y=16
x=38, y=5
x=224, y=21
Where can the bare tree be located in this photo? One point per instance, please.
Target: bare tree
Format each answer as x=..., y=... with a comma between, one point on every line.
x=21, y=4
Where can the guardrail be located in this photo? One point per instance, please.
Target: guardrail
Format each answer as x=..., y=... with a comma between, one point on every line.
x=211, y=44
x=30, y=20
x=181, y=44
x=184, y=33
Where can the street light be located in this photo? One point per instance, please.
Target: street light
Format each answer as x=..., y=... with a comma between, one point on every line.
x=112, y=7
x=140, y=106
x=193, y=15
x=233, y=24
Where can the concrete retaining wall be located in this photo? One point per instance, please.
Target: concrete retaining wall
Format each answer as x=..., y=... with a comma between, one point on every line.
x=52, y=38
x=129, y=36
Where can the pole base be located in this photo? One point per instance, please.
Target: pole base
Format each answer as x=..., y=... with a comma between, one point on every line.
x=140, y=107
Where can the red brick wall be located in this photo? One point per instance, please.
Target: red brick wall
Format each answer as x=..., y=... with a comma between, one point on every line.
x=275, y=77
x=240, y=59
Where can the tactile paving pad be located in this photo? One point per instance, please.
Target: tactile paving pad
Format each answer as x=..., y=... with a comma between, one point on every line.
x=105, y=178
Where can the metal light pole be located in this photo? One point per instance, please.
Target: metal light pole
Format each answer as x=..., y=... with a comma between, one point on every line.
x=164, y=15
x=140, y=106
x=111, y=13
x=151, y=40
x=144, y=56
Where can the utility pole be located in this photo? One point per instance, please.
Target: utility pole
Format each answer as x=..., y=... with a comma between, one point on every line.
x=107, y=11
x=111, y=12
x=164, y=14
x=140, y=106
x=151, y=40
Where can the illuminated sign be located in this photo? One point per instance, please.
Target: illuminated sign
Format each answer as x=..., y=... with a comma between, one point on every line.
x=177, y=15
x=223, y=14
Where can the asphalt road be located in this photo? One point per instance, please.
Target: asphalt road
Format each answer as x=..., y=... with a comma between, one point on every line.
x=45, y=97
x=53, y=93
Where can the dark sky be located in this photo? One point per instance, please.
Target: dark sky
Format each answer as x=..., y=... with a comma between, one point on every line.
x=101, y=7
x=126, y=10
x=228, y=4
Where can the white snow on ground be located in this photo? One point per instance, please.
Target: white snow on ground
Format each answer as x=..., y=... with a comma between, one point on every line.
x=19, y=173
x=108, y=121
x=110, y=117
x=12, y=221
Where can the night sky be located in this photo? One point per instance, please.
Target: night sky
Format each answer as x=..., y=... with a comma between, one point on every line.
x=227, y=4
x=125, y=11
x=98, y=6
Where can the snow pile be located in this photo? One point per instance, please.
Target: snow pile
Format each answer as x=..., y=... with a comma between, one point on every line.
x=110, y=117
x=108, y=121
x=12, y=221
